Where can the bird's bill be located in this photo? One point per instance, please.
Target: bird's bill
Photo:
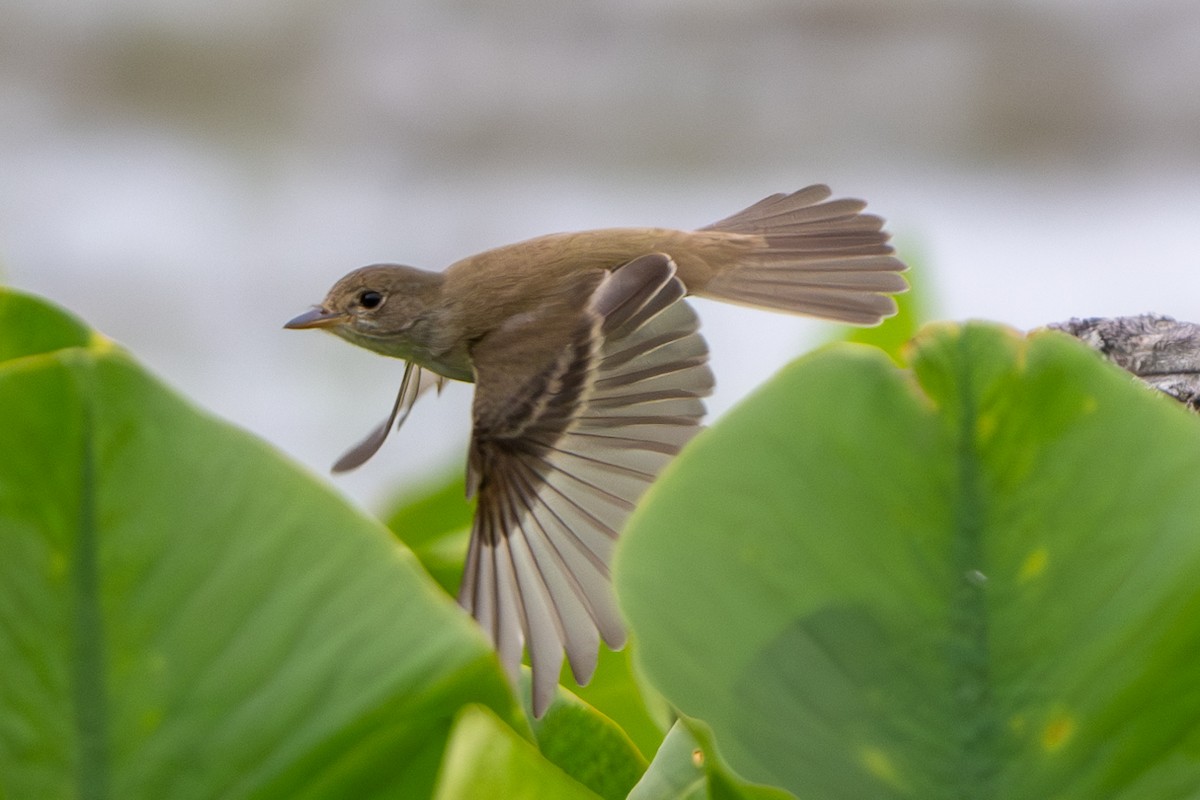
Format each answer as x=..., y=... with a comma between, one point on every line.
x=315, y=318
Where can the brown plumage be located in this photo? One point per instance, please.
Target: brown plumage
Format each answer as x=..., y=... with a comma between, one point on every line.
x=589, y=375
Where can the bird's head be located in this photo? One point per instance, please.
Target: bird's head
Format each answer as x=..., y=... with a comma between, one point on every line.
x=375, y=307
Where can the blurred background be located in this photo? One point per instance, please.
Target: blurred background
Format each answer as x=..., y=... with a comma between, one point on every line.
x=188, y=176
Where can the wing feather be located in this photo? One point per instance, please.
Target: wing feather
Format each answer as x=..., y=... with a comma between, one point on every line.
x=561, y=453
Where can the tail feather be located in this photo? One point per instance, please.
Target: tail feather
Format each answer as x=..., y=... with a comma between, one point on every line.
x=856, y=280
x=854, y=307
x=806, y=203
x=842, y=244
x=806, y=254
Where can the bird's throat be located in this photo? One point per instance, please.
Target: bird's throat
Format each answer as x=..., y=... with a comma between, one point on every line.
x=420, y=345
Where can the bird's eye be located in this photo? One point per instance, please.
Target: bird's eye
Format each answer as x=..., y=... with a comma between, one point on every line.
x=370, y=299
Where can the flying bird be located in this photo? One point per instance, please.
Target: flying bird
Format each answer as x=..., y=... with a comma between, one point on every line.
x=589, y=375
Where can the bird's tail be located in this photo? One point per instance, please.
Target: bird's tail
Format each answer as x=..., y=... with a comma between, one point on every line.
x=806, y=254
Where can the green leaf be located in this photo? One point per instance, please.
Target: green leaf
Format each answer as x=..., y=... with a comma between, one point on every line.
x=487, y=759
x=184, y=613
x=586, y=744
x=29, y=327
x=978, y=583
x=436, y=523
x=677, y=771
x=687, y=767
x=432, y=511
x=615, y=692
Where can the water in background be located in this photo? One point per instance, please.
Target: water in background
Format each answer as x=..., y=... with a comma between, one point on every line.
x=187, y=176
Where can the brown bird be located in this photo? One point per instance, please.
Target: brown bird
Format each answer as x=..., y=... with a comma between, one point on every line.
x=589, y=373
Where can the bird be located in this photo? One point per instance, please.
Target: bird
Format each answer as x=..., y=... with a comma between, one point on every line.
x=590, y=373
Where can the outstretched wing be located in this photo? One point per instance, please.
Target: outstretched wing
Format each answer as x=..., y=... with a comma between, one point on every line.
x=577, y=409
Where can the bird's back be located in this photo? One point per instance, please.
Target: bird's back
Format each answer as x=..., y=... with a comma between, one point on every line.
x=521, y=277
x=799, y=253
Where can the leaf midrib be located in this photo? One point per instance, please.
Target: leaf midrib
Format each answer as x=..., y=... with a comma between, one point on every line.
x=974, y=774
x=88, y=663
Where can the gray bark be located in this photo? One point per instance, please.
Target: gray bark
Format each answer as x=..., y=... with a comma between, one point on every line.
x=1160, y=351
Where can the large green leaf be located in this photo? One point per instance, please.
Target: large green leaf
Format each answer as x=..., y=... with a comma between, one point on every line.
x=184, y=613
x=687, y=767
x=614, y=691
x=586, y=744
x=677, y=771
x=981, y=583
x=30, y=327
x=486, y=759
x=435, y=522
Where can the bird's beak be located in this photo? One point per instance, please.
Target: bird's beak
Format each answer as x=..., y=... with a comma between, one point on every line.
x=315, y=318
